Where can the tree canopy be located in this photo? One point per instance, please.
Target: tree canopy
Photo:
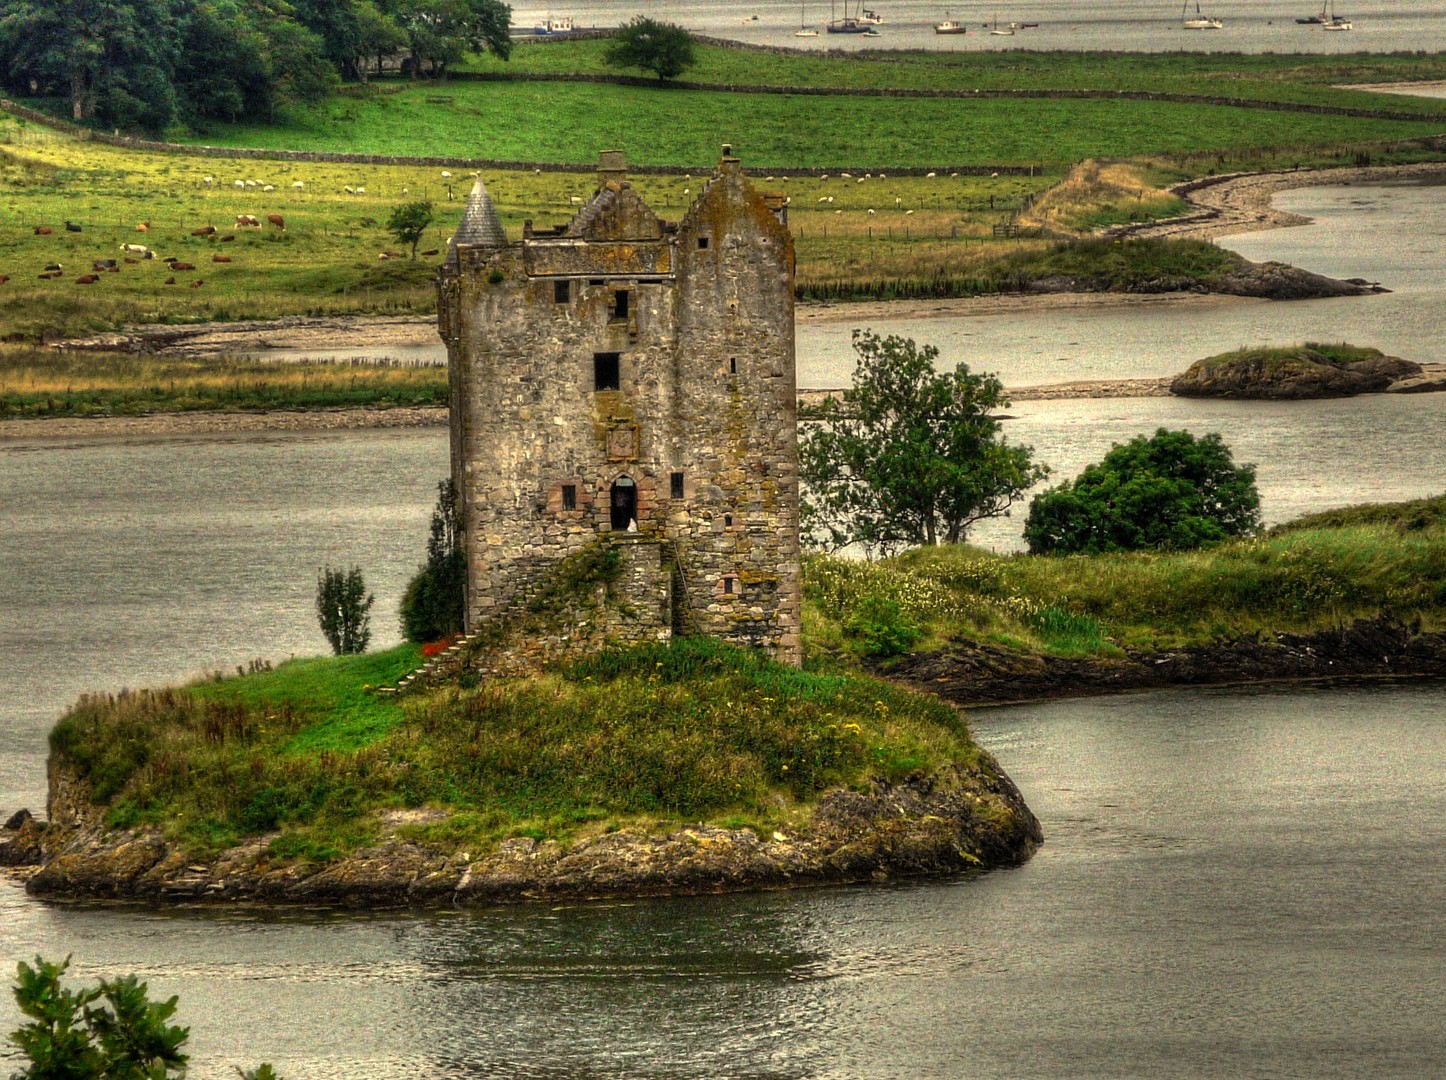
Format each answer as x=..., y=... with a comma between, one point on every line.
x=148, y=64
x=408, y=222
x=909, y=455
x=665, y=49
x=1169, y=491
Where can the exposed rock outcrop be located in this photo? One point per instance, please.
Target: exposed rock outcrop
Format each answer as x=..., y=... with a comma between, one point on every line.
x=1290, y=374
x=959, y=819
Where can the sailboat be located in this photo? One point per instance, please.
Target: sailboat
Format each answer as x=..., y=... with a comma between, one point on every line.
x=804, y=30
x=949, y=26
x=1336, y=22
x=1199, y=22
x=847, y=25
x=1005, y=32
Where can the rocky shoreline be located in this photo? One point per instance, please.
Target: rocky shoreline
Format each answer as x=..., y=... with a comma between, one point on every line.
x=964, y=819
x=967, y=673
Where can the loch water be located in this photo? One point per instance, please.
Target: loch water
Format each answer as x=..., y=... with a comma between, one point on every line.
x=1241, y=883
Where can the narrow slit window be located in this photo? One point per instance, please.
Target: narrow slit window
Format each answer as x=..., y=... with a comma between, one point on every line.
x=728, y=521
x=605, y=371
x=561, y=291
x=733, y=365
x=728, y=586
x=620, y=304
x=569, y=496
x=675, y=486
x=702, y=243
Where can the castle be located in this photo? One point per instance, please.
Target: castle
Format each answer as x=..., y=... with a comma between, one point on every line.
x=627, y=377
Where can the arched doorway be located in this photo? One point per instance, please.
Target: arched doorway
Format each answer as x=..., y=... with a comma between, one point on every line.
x=623, y=503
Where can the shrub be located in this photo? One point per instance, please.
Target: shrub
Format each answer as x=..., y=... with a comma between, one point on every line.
x=881, y=626
x=343, y=608
x=434, y=603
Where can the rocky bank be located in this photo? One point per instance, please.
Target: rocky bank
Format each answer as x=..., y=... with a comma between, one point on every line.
x=1300, y=373
x=960, y=819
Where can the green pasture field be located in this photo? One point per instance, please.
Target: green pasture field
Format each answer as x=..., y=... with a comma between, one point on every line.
x=1307, y=78
x=541, y=122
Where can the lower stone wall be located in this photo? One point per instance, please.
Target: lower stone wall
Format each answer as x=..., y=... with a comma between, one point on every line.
x=633, y=606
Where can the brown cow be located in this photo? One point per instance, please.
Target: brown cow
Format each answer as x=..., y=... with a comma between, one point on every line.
x=247, y=221
x=4, y=278
x=170, y=281
x=205, y=230
x=130, y=261
x=182, y=266
x=42, y=230
x=144, y=226
x=87, y=279
x=220, y=258
x=197, y=284
x=430, y=251
x=227, y=238
x=277, y=220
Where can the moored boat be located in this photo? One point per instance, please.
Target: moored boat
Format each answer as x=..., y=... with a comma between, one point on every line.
x=949, y=26
x=550, y=26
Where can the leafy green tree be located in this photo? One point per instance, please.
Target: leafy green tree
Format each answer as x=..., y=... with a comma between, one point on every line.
x=665, y=49
x=909, y=455
x=378, y=36
x=112, y=1031
x=434, y=603
x=1169, y=491
x=343, y=607
x=111, y=59
x=408, y=222
x=441, y=32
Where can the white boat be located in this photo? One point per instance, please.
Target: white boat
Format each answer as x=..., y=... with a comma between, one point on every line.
x=949, y=26
x=1338, y=24
x=1199, y=22
x=849, y=24
x=560, y=25
x=870, y=18
x=1001, y=31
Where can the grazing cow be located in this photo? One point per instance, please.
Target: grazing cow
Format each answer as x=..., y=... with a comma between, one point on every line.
x=131, y=262
x=228, y=238
x=101, y=264
x=277, y=220
x=220, y=258
x=182, y=266
x=4, y=278
x=53, y=266
x=87, y=279
x=247, y=221
x=144, y=226
x=138, y=249
x=206, y=230
x=197, y=284
x=42, y=230
x=71, y=226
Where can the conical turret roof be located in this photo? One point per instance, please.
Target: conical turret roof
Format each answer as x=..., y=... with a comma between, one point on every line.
x=480, y=225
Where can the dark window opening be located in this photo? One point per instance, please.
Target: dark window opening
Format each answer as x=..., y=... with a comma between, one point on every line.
x=623, y=503
x=569, y=496
x=595, y=281
x=676, y=485
x=728, y=521
x=702, y=243
x=605, y=371
x=728, y=585
x=561, y=292
x=733, y=365
x=620, y=304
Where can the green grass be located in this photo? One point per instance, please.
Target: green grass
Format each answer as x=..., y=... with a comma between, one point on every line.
x=1282, y=357
x=540, y=122
x=1267, y=77
x=46, y=383
x=652, y=738
x=1300, y=577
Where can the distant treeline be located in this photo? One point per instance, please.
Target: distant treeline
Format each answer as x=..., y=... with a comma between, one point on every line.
x=150, y=65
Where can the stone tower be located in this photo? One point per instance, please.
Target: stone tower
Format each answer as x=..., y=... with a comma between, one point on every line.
x=631, y=377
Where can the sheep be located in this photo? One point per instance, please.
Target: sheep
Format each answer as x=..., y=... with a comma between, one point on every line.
x=348, y=189
x=846, y=176
x=208, y=179
x=576, y=200
x=298, y=185
x=268, y=187
x=361, y=191
x=907, y=212
x=871, y=211
x=823, y=198
x=930, y=176
x=241, y=184
x=248, y=183
x=404, y=190
x=446, y=175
